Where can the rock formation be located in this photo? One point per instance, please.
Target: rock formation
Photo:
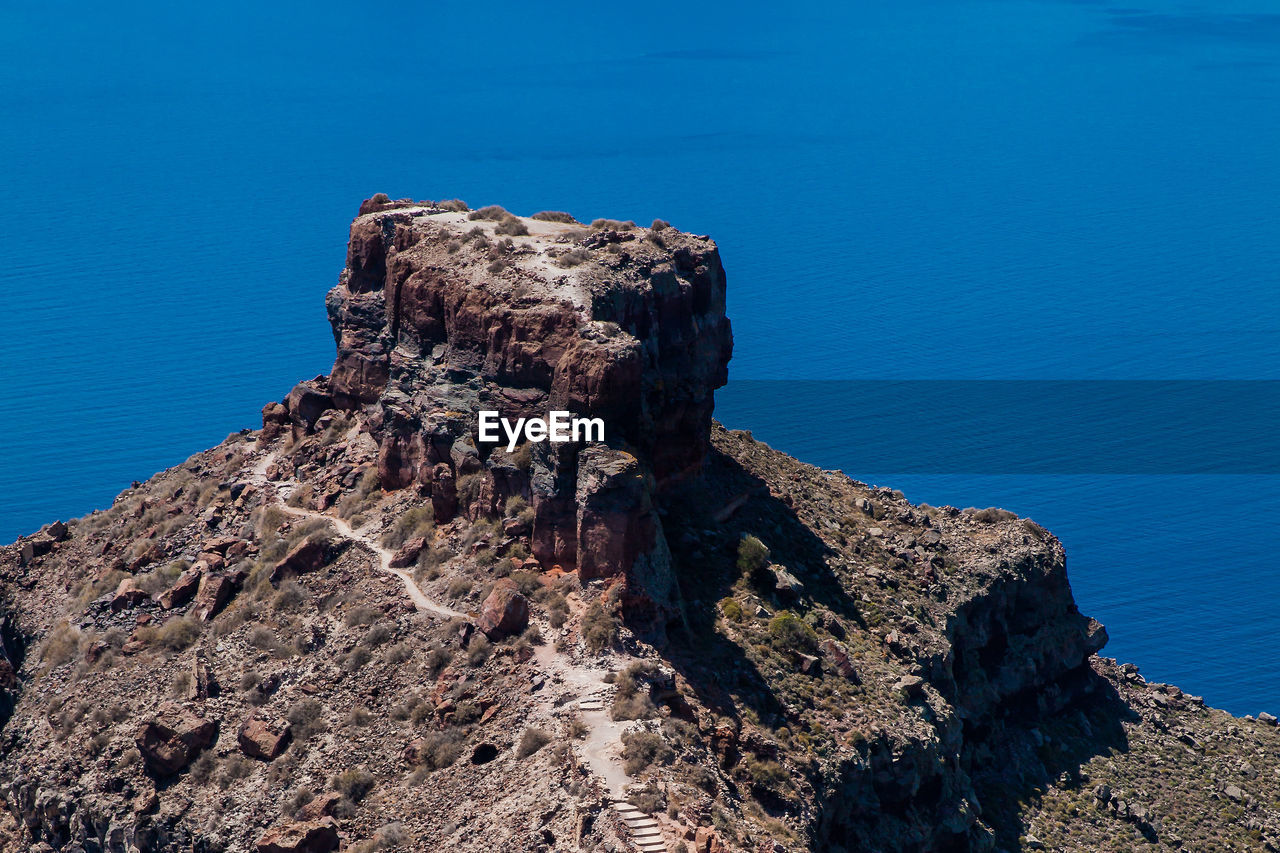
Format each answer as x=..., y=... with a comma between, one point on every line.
x=438, y=316
x=674, y=636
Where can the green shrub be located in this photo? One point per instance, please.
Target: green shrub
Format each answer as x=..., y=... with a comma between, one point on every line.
x=572, y=258
x=790, y=633
x=599, y=628
x=731, y=609
x=178, y=634
x=307, y=719
x=991, y=514
x=641, y=749
x=612, y=224
x=442, y=749
x=753, y=555
x=412, y=523
x=363, y=616
x=437, y=659
x=511, y=226
x=478, y=650
x=291, y=596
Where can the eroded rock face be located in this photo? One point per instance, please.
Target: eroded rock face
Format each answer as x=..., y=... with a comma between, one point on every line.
x=437, y=317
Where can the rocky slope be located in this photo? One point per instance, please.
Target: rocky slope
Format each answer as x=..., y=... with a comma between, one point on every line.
x=363, y=627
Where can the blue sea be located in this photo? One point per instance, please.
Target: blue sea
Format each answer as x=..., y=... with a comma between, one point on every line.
x=918, y=191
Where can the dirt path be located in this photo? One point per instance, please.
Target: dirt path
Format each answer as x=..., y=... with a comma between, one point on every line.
x=281, y=491
x=600, y=750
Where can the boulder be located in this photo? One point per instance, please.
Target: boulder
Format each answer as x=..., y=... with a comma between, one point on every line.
x=171, y=739
x=1267, y=719
x=274, y=419
x=264, y=739
x=322, y=805
x=183, y=589
x=505, y=611
x=221, y=544
x=407, y=554
x=307, y=556
x=910, y=686
x=215, y=561
x=306, y=404
x=304, y=836
x=34, y=548
x=127, y=595
x=214, y=593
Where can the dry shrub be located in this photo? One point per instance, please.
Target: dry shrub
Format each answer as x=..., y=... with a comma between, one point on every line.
x=555, y=216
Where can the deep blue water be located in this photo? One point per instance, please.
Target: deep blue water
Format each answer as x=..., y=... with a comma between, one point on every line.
x=917, y=190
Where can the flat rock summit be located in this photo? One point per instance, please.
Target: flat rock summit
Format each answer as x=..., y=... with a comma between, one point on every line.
x=367, y=626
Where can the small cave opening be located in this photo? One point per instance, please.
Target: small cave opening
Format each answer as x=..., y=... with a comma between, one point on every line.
x=484, y=753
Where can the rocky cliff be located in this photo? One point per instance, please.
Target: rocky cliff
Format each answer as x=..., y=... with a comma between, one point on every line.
x=363, y=627
x=439, y=315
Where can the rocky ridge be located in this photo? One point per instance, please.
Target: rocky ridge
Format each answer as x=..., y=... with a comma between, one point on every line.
x=362, y=627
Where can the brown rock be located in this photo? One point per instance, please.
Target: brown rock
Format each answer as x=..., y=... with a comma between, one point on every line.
x=214, y=593
x=172, y=739
x=615, y=523
x=212, y=559
x=183, y=590
x=275, y=418
x=308, y=555
x=408, y=553
x=306, y=404
x=322, y=805
x=34, y=548
x=307, y=836
x=264, y=739
x=127, y=595
x=505, y=611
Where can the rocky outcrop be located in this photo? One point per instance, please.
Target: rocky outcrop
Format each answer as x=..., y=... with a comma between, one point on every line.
x=851, y=672
x=437, y=317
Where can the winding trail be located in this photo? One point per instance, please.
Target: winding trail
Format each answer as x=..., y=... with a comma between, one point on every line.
x=600, y=750
x=421, y=600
